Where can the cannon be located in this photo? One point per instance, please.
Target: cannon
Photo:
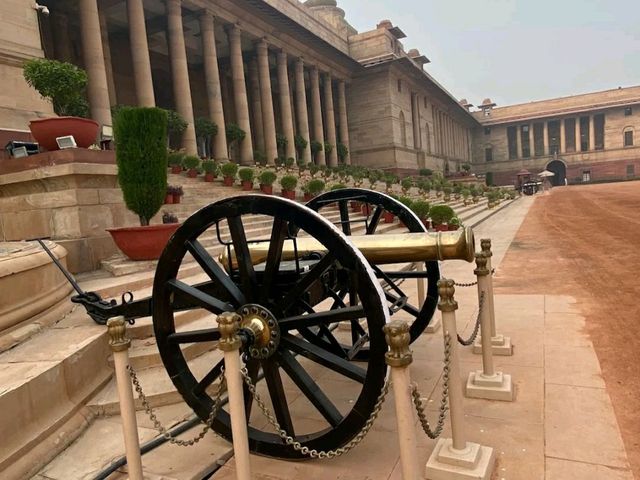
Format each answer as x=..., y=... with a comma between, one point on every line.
x=313, y=298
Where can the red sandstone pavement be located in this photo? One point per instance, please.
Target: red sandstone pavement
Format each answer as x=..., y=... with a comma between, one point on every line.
x=584, y=241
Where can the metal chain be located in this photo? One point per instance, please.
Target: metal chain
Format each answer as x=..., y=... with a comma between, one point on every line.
x=444, y=399
x=476, y=327
x=471, y=284
x=161, y=429
x=311, y=452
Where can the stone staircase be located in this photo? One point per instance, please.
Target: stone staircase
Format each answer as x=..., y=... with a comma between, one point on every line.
x=55, y=384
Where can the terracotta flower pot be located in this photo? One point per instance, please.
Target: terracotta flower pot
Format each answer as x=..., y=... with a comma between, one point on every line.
x=247, y=185
x=143, y=243
x=388, y=217
x=176, y=198
x=192, y=173
x=453, y=228
x=46, y=130
x=228, y=181
x=426, y=223
x=307, y=197
x=209, y=177
x=290, y=194
x=176, y=169
x=366, y=209
x=355, y=206
x=440, y=227
x=168, y=199
x=268, y=189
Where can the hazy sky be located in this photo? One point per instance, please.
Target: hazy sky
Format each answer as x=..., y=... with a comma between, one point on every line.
x=515, y=51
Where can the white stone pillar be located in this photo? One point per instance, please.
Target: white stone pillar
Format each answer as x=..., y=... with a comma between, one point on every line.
x=578, y=139
x=256, y=104
x=330, y=120
x=301, y=109
x=97, y=89
x=563, y=138
x=285, y=104
x=106, y=48
x=140, y=54
x=268, y=119
x=519, y=142
x=180, y=74
x=545, y=134
x=592, y=133
x=342, y=115
x=532, y=144
x=240, y=94
x=316, y=112
x=212, y=80
x=415, y=121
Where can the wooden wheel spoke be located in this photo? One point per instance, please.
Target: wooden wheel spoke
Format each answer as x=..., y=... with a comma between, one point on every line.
x=193, y=336
x=322, y=318
x=323, y=357
x=375, y=220
x=278, y=396
x=187, y=296
x=300, y=288
x=243, y=257
x=310, y=388
x=215, y=272
x=209, y=378
x=274, y=256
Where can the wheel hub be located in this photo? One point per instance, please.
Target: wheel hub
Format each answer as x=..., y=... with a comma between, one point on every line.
x=264, y=326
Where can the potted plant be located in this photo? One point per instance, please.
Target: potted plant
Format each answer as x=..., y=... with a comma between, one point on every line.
x=64, y=85
x=234, y=135
x=466, y=168
x=260, y=157
x=466, y=193
x=425, y=172
x=438, y=188
x=178, y=193
x=175, y=160
x=390, y=181
x=266, y=179
x=387, y=216
x=301, y=145
x=205, y=129
x=316, y=147
x=447, y=193
x=210, y=168
x=246, y=175
x=421, y=208
x=141, y=156
x=407, y=202
x=289, y=163
x=342, y=152
x=406, y=185
x=440, y=216
x=168, y=217
x=229, y=171
x=454, y=223
x=313, y=188
x=191, y=164
x=288, y=184
x=338, y=186
x=168, y=198
x=281, y=143
x=424, y=186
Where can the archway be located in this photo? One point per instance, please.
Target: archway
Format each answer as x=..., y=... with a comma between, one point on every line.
x=560, y=169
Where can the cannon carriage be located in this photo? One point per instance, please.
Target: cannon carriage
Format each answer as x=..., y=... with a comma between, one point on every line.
x=313, y=298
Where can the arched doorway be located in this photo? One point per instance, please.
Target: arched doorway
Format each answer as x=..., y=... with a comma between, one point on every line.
x=560, y=169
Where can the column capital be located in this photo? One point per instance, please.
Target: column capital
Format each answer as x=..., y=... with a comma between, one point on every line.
x=206, y=13
x=233, y=29
x=282, y=55
x=261, y=44
x=173, y=2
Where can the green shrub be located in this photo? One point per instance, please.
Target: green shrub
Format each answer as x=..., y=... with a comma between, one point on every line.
x=205, y=128
x=175, y=158
x=390, y=180
x=246, y=174
x=338, y=186
x=234, y=134
x=281, y=142
x=280, y=161
x=289, y=162
x=466, y=167
x=455, y=221
x=421, y=209
x=267, y=178
x=60, y=82
x=425, y=172
x=300, y=144
x=315, y=186
x=406, y=184
x=316, y=147
x=406, y=201
x=441, y=214
x=465, y=193
x=423, y=185
x=260, y=157
x=289, y=182
x=447, y=191
x=191, y=162
x=342, y=151
x=176, y=125
x=328, y=148
x=141, y=155
x=313, y=169
x=210, y=166
x=229, y=169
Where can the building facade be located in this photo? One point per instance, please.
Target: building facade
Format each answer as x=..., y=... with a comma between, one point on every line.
x=276, y=68
x=582, y=138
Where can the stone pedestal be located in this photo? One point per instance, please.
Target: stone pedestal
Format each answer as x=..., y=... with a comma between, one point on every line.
x=434, y=325
x=473, y=462
x=500, y=345
x=490, y=387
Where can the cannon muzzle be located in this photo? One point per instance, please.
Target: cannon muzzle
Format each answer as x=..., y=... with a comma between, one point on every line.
x=377, y=249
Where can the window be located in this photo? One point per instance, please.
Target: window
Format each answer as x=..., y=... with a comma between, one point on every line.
x=512, y=141
x=586, y=175
x=487, y=130
x=628, y=138
x=399, y=85
x=584, y=134
x=570, y=135
x=524, y=138
x=553, y=129
x=403, y=130
x=488, y=154
x=628, y=112
x=538, y=139
x=598, y=125
x=631, y=170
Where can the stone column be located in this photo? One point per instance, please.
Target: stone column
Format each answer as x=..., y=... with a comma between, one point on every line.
x=316, y=112
x=532, y=144
x=285, y=104
x=140, y=54
x=97, y=89
x=212, y=79
x=240, y=94
x=62, y=46
x=545, y=137
x=268, y=120
x=256, y=104
x=330, y=119
x=342, y=115
x=578, y=142
x=563, y=138
x=106, y=48
x=519, y=142
x=301, y=109
x=415, y=121
x=592, y=133
x=180, y=74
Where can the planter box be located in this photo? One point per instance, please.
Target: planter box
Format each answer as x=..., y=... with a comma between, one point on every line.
x=247, y=185
x=192, y=173
x=268, y=189
x=168, y=199
x=290, y=194
x=388, y=217
x=176, y=198
x=46, y=130
x=209, y=177
x=228, y=181
x=441, y=228
x=143, y=243
x=176, y=169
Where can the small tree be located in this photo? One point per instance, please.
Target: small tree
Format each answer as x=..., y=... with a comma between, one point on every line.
x=300, y=144
x=282, y=142
x=205, y=129
x=316, y=147
x=328, y=148
x=141, y=155
x=176, y=125
x=406, y=185
x=342, y=151
x=234, y=135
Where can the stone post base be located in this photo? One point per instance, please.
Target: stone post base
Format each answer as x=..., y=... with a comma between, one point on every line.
x=500, y=345
x=434, y=325
x=446, y=463
x=495, y=387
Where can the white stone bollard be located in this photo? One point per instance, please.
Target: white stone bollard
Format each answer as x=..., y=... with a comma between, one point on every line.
x=487, y=383
x=119, y=344
x=399, y=359
x=230, y=343
x=500, y=344
x=456, y=458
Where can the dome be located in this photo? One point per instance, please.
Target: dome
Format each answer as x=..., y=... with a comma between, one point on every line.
x=321, y=3
x=487, y=102
x=414, y=52
x=385, y=24
x=463, y=101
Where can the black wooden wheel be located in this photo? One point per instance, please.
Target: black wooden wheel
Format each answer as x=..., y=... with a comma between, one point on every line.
x=378, y=203
x=317, y=395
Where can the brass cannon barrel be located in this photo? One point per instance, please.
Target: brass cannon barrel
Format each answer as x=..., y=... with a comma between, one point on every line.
x=378, y=249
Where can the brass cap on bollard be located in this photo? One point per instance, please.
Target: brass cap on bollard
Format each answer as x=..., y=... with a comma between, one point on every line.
x=229, y=324
x=397, y=335
x=446, y=289
x=485, y=245
x=117, y=330
x=481, y=265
